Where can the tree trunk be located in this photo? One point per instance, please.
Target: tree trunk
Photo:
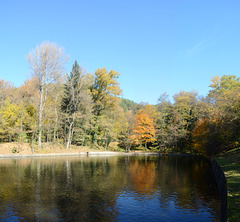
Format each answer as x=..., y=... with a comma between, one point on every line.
x=70, y=133
x=32, y=146
x=55, y=130
x=21, y=131
x=94, y=140
x=69, y=137
x=106, y=145
x=40, y=119
x=48, y=134
x=56, y=123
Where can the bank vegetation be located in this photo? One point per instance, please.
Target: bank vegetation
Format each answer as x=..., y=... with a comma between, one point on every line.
x=86, y=110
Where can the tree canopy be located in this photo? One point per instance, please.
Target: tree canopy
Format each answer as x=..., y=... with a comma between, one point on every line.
x=85, y=109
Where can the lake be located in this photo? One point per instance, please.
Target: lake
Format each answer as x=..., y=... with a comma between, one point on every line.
x=110, y=188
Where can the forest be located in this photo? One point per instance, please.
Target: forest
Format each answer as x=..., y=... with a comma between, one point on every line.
x=86, y=109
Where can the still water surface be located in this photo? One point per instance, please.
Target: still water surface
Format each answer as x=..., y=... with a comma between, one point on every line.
x=119, y=188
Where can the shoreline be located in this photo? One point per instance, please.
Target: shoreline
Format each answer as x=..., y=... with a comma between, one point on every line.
x=89, y=153
x=100, y=153
x=14, y=150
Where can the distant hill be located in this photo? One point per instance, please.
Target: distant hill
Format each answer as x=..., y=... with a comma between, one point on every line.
x=128, y=104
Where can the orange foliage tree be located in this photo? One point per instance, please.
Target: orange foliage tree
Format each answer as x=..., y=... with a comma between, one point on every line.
x=143, y=129
x=200, y=135
x=208, y=138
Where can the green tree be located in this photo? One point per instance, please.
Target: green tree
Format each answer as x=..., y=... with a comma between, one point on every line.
x=127, y=104
x=164, y=107
x=175, y=122
x=76, y=101
x=125, y=129
x=185, y=105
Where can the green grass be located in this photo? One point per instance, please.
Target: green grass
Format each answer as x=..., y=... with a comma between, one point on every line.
x=230, y=163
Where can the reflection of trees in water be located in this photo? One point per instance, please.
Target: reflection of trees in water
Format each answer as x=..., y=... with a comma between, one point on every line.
x=92, y=197
x=87, y=188
x=182, y=181
x=71, y=189
x=142, y=176
x=185, y=181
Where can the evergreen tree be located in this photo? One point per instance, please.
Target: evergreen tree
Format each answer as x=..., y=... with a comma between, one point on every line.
x=76, y=102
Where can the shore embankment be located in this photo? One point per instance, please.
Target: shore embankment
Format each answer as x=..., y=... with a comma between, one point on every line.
x=230, y=164
x=222, y=187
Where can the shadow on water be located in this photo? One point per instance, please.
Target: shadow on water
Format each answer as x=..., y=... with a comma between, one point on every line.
x=120, y=188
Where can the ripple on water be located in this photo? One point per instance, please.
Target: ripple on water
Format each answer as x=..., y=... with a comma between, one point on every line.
x=108, y=189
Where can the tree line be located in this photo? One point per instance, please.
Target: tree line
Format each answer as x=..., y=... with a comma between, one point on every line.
x=85, y=109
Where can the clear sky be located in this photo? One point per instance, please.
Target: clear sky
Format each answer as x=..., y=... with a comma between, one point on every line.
x=157, y=45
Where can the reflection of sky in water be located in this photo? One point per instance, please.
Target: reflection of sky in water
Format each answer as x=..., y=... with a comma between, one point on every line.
x=151, y=208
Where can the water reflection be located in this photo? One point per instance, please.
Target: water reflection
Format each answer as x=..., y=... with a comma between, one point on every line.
x=124, y=188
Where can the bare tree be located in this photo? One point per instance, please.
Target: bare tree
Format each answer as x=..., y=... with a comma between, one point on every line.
x=47, y=64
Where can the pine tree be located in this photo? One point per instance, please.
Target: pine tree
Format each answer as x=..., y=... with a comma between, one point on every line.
x=76, y=102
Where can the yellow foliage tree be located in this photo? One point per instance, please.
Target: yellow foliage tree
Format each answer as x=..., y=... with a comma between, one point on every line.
x=151, y=111
x=10, y=120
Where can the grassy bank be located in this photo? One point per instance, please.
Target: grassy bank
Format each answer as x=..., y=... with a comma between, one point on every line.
x=230, y=163
x=24, y=148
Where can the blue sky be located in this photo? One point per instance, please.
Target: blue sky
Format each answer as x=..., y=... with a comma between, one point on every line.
x=157, y=46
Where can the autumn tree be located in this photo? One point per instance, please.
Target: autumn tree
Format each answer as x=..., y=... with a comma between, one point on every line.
x=52, y=115
x=217, y=128
x=205, y=139
x=6, y=90
x=144, y=131
x=76, y=101
x=27, y=97
x=125, y=131
x=16, y=120
x=186, y=104
x=10, y=120
x=47, y=65
x=104, y=90
x=224, y=120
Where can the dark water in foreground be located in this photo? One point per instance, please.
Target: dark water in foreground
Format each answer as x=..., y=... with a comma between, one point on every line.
x=119, y=188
